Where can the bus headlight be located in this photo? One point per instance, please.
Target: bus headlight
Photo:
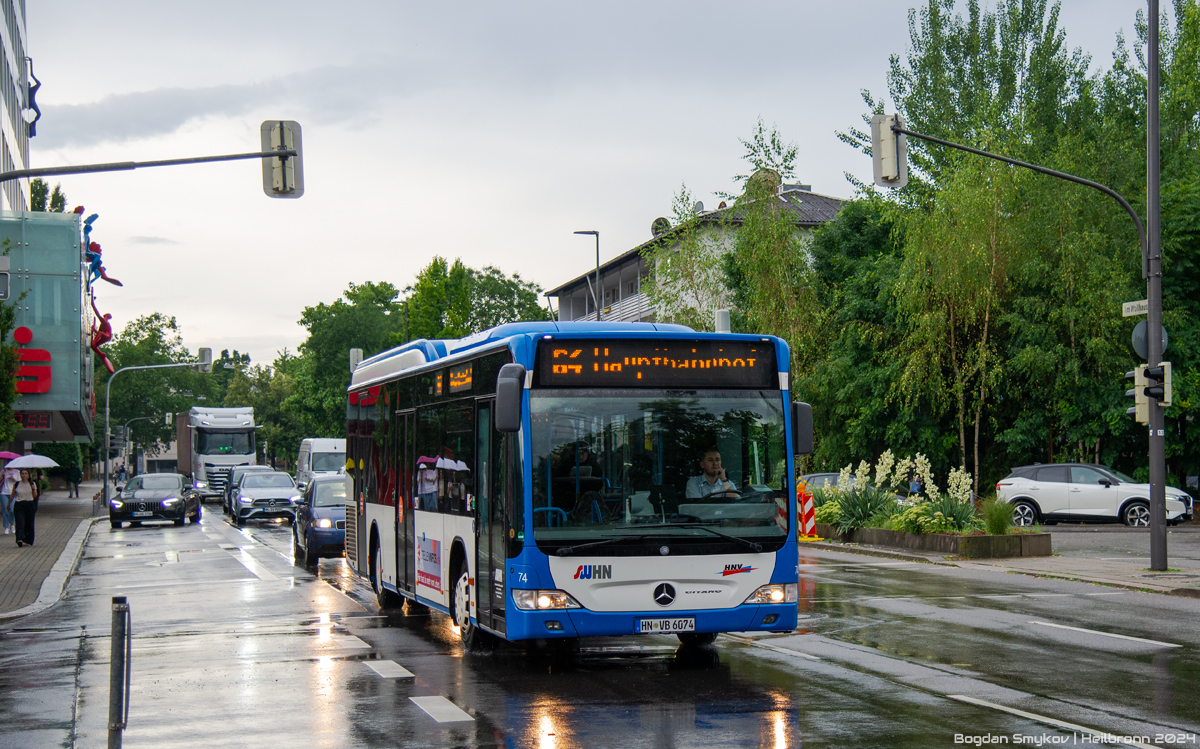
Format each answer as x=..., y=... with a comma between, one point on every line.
x=544, y=600
x=789, y=593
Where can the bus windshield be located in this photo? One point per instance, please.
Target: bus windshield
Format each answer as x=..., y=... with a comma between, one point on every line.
x=224, y=443
x=649, y=464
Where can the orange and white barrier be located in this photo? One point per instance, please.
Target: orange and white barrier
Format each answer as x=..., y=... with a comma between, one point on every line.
x=806, y=510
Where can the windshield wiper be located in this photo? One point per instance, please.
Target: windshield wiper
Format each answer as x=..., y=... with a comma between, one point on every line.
x=743, y=541
x=568, y=550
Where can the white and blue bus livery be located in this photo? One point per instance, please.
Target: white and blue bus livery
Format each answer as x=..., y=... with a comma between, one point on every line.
x=563, y=480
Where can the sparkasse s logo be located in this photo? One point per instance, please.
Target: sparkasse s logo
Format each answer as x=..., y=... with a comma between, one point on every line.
x=594, y=572
x=737, y=569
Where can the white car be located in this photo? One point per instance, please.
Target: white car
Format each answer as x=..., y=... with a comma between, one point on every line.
x=1083, y=492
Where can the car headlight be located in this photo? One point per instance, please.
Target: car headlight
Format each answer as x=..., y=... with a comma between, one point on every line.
x=788, y=593
x=294, y=498
x=324, y=523
x=245, y=500
x=171, y=501
x=200, y=485
x=544, y=600
x=117, y=504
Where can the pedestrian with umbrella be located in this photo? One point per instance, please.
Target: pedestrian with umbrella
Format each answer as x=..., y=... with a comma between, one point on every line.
x=8, y=480
x=25, y=495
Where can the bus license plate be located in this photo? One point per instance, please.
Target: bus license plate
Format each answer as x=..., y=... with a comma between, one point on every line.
x=142, y=513
x=665, y=626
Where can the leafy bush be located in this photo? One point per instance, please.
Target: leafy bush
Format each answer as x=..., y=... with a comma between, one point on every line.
x=997, y=516
x=828, y=512
x=959, y=514
x=822, y=495
x=943, y=516
x=861, y=504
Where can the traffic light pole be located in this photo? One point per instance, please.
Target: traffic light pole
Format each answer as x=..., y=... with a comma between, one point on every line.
x=125, y=166
x=1154, y=348
x=1150, y=237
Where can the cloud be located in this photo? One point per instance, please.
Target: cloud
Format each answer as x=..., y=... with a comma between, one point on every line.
x=322, y=94
x=151, y=240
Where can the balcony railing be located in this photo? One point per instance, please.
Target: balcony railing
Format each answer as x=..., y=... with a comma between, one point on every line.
x=629, y=309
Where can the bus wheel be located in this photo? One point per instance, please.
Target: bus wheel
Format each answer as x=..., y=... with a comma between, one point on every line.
x=472, y=637
x=387, y=599
x=697, y=639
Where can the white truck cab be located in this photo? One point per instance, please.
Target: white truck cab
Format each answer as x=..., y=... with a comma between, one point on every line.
x=319, y=457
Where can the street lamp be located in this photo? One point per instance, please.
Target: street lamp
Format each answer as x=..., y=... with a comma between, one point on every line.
x=597, y=295
x=204, y=365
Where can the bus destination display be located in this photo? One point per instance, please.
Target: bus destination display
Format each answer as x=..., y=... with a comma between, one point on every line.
x=654, y=364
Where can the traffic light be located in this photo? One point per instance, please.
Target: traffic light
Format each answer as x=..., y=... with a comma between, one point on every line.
x=1158, y=383
x=204, y=361
x=889, y=150
x=283, y=177
x=1141, y=407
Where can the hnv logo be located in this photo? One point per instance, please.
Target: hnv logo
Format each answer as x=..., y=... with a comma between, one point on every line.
x=737, y=569
x=594, y=572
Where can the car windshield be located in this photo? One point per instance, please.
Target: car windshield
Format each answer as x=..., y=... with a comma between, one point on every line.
x=1123, y=477
x=267, y=481
x=224, y=443
x=161, y=482
x=636, y=463
x=328, y=461
x=329, y=494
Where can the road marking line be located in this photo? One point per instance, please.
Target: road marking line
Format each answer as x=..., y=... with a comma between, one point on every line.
x=761, y=644
x=259, y=571
x=350, y=641
x=441, y=709
x=1108, y=634
x=1114, y=593
x=1047, y=595
x=390, y=670
x=1042, y=718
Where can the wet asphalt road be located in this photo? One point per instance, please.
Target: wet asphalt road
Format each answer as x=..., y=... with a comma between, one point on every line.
x=235, y=646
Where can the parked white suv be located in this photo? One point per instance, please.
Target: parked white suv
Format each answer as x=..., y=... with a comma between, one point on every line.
x=1083, y=492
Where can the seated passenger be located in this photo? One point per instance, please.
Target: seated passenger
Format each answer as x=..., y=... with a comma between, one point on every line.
x=712, y=480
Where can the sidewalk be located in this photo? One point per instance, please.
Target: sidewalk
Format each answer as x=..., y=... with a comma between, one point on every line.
x=22, y=571
x=1129, y=571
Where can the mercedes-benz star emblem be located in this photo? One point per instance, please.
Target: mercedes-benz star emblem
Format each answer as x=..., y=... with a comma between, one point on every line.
x=664, y=594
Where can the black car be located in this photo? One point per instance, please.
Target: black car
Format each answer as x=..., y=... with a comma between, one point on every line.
x=155, y=496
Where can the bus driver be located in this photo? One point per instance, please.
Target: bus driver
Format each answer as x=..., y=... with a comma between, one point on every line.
x=712, y=479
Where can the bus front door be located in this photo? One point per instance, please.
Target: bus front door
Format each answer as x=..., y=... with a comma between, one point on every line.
x=489, y=519
x=406, y=570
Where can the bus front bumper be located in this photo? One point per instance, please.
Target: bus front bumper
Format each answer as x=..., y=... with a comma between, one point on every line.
x=525, y=625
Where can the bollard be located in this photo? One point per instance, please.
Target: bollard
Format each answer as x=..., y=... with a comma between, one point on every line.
x=119, y=663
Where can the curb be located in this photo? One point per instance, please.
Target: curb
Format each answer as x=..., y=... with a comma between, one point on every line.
x=872, y=552
x=55, y=583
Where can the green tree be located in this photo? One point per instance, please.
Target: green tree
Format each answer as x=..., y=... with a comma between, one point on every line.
x=41, y=198
x=687, y=284
x=267, y=390
x=150, y=394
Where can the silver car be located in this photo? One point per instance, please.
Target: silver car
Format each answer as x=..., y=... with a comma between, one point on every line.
x=1083, y=492
x=263, y=495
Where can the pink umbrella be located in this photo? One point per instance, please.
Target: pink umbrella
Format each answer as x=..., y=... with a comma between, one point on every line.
x=8, y=455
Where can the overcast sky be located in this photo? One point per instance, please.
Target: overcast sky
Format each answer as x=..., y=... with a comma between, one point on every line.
x=484, y=131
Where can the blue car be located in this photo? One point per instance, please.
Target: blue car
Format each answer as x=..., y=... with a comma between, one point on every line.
x=320, y=527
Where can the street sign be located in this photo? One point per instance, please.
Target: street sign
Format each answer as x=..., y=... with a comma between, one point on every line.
x=1129, y=309
x=1140, y=342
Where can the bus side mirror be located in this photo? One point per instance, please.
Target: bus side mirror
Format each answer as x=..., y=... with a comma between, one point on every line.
x=510, y=387
x=802, y=429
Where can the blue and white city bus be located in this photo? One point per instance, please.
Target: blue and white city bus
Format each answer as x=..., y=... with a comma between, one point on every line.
x=563, y=480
